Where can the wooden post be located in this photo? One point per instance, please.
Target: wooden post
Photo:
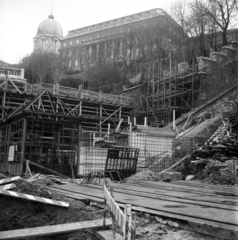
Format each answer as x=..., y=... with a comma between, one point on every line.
x=100, y=119
x=4, y=104
x=57, y=89
x=104, y=213
x=79, y=147
x=174, y=119
x=145, y=121
x=135, y=121
x=100, y=96
x=108, y=130
x=113, y=218
x=23, y=145
x=130, y=127
x=235, y=167
x=54, y=89
x=124, y=225
x=133, y=237
x=79, y=92
x=128, y=120
x=27, y=171
x=128, y=213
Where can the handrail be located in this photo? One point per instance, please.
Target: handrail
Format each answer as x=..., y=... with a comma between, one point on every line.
x=56, y=89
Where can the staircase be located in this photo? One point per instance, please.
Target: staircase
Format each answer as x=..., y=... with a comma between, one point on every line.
x=219, y=103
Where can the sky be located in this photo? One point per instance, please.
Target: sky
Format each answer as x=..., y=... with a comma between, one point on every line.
x=19, y=19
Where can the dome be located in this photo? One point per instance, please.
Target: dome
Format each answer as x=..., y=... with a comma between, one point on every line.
x=50, y=26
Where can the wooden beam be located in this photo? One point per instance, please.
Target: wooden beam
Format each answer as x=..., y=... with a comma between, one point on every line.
x=8, y=180
x=52, y=230
x=108, y=235
x=7, y=186
x=33, y=198
x=47, y=169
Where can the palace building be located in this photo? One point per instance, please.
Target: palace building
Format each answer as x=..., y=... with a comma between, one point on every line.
x=125, y=39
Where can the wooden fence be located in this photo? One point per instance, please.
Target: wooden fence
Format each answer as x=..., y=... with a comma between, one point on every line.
x=123, y=219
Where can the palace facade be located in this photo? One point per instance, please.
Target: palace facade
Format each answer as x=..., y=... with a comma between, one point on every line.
x=145, y=35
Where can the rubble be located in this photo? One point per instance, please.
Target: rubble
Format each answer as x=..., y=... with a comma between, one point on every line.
x=146, y=175
x=19, y=213
x=215, y=162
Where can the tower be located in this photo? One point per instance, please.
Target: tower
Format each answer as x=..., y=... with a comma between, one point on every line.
x=48, y=36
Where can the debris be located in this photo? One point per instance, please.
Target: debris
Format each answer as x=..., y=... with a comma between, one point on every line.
x=33, y=178
x=147, y=175
x=169, y=176
x=158, y=219
x=189, y=177
x=28, y=162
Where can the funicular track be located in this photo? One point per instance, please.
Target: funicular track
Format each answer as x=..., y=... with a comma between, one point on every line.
x=207, y=209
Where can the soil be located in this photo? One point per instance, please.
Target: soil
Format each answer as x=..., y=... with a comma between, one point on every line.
x=19, y=213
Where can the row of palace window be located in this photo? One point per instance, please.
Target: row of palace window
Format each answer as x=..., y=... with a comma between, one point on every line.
x=91, y=37
x=110, y=23
x=95, y=49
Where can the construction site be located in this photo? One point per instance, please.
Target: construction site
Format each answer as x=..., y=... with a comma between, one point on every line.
x=73, y=145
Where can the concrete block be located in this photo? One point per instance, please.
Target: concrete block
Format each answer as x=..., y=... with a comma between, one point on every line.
x=220, y=58
x=234, y=45
x=206, y=64
x=230, y=52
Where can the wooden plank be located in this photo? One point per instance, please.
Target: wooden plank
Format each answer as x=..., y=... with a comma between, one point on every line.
x=213, y=196
x=34, y=198
x=188, y=186
x=7, y=186
x=78, y=195
x=8, y=180
x=205, y=185
x=197, y=200
x=207, y=191
x=185, y=209
x=52, y=230
x=33, y=178
x=108, y=235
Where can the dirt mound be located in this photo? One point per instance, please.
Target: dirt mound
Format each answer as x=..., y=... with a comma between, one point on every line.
x=146, y=175
x=214, y=174
x=19, y=213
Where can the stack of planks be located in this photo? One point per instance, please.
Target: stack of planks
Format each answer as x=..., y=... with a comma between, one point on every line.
x=223, y=144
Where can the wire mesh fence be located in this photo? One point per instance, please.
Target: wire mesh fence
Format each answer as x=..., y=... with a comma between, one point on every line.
x=156, y=152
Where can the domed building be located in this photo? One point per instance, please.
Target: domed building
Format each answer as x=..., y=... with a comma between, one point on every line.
x=48, y=36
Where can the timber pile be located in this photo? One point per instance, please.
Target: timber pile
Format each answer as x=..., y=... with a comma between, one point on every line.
x=216, y=161
x=223, y=144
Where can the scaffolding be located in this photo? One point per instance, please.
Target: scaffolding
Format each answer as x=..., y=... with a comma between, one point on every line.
x=180, y=88
x=44, y=122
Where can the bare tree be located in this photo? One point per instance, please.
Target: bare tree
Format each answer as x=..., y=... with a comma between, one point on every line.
x=222, y=12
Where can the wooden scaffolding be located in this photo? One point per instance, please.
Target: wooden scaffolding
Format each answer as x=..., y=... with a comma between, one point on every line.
x=44, y=122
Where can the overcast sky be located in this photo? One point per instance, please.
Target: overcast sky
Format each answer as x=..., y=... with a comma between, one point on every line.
x=19, y=19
